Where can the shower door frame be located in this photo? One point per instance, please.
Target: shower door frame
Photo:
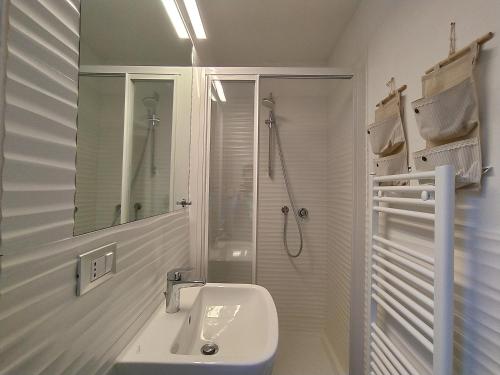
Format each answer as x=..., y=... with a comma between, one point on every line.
x=200, y=141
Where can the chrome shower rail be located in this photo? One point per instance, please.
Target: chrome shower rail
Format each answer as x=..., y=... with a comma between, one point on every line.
x=414, y=289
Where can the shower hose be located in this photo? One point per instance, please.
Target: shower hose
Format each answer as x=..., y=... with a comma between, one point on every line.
x=290, y=198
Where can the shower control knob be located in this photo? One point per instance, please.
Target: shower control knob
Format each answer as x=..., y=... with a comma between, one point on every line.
x=285, y=210
x=303, y=213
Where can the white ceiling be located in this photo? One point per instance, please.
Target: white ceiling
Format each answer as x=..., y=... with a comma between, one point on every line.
x=239, y=32
x=271, y=32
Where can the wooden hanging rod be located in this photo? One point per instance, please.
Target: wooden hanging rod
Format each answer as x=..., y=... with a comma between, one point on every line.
x=386, y=99
x=462, y=52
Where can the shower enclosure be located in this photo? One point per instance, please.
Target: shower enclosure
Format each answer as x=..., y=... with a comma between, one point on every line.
x=265, y=186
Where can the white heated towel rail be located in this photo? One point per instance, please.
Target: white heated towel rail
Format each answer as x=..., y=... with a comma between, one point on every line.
x=416, y=290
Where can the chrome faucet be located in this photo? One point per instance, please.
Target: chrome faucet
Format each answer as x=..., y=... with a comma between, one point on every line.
x=174, y=286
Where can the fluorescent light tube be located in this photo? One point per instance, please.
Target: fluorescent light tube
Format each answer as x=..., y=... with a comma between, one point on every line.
x=194, y=16
x=73, y=6
x=220, y=91
x=175, y=18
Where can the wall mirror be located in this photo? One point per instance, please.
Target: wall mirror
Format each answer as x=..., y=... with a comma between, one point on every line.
x=134, y=112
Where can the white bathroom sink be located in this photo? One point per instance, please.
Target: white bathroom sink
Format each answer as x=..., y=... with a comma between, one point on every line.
x=240, y=319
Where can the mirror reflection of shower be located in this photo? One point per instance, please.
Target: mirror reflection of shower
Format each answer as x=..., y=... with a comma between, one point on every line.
x=151, y=102
x=274, y=137
x=152, y=120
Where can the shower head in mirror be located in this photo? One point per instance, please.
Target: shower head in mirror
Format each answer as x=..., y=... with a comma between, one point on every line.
x=269, y=101
x=150, y=102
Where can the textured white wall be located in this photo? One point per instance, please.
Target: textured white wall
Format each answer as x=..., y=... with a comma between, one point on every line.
x=44, y=327
x=47, y=329
x=39, y=122
x=340, y=169
x=402, y=39
x=298, y=286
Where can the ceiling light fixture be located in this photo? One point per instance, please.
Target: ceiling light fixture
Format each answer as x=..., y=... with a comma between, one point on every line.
x=175, y=18
x=220, y=91
x=194, y=16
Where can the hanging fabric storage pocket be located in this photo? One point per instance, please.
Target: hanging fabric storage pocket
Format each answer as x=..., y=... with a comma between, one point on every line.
x=464, y=155
x=386, y=135
x=451, y=114
x=392, y=164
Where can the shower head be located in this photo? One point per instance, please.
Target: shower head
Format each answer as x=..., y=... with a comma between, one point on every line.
x=150, y=102
x=269, y=101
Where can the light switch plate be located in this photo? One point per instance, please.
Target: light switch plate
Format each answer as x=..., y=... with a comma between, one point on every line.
x=95, y=267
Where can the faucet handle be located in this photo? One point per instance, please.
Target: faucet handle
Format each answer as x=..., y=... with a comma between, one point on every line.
x=176, y=273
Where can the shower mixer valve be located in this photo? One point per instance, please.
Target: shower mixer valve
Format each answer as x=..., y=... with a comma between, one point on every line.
x=303, y=213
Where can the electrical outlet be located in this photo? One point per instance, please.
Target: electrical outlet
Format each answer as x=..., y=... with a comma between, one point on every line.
x=98, y=268
x=95, y=267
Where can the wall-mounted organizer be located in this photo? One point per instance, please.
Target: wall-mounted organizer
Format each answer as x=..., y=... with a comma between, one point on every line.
x=448, y=114
x=386, y=135
x=415, y=290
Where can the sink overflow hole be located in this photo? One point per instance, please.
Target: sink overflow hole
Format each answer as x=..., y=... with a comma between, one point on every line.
x=209, y=349
x=189, y=320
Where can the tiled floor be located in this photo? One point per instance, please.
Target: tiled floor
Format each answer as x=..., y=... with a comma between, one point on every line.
x=302, y=354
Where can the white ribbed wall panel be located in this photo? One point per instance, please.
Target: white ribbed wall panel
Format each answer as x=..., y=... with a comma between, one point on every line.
x=298, y=286
x=370, y=39
x=38, y=178
x=340, y=219
x=45, y=328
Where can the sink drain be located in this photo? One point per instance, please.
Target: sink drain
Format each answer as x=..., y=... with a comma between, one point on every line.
x=209, y=349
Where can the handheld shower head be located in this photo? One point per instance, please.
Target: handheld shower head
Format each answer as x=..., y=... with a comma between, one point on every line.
x=269, y=101
x=150, y=102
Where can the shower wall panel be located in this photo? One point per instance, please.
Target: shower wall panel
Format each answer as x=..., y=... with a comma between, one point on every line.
x=298, y=285
x=340, y=219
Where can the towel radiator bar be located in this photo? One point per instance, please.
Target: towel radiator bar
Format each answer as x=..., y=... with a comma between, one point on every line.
x=414, y=289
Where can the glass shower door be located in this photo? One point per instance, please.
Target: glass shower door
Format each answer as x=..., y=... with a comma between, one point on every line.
x=231, y=242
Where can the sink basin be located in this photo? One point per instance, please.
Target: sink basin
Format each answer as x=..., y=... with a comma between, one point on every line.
x=235, y=324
